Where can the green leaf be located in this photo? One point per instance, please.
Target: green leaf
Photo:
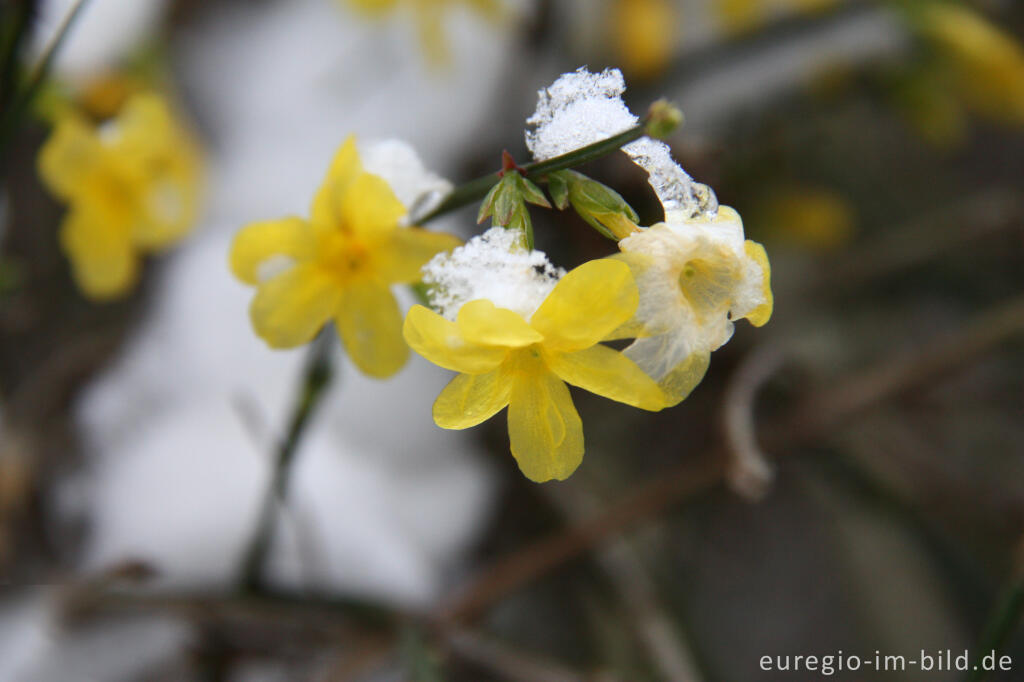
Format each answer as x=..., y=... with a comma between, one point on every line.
x=603, y=208
x=558, y=188
x=532, y=193
x=487, y=207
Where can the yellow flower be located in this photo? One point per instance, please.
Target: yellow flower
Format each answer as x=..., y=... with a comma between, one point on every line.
x=505, y=359
x=131, y=186
x=644, y=32
x=695, y=277
x=987, y=63
x=430, y=18
x=338, y=265
x=810, y=217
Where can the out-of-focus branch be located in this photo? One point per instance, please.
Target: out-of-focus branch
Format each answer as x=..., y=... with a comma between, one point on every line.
x=748, y=472
x=10, y=117
x=315, y=380
x=987, y=213
x=652, y=625
x=510, y=663
x=811, y=418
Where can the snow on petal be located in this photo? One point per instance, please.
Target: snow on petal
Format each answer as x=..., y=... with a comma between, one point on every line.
x=493, y=266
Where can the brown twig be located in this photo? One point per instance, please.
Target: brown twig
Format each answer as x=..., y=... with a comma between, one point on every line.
x=983, y=214
x=656, y=631
x=748, y=473
x=509, y=663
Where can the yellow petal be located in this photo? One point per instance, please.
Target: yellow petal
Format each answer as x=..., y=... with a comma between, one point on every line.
x=256, y=243
x=470, y=399
x=326, y=209
x=409, y=250
x=430, y=21
x=374, y=6
x=102, y=260
x=492, y=10
x=70, y=154
x=587, y=305
x=146, y=127
x=369, y=209
x=370, y=325
x=484, y=323
x=608, y=373
x=763, y=312
x=680, y=381
x=290, y=308
x=440, y=341
x=170, y=198
x=544, y=429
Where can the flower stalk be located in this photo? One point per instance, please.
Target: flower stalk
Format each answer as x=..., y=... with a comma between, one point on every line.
x=19, y=102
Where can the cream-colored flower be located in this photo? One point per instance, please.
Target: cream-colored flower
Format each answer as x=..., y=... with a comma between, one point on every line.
x=695, y=278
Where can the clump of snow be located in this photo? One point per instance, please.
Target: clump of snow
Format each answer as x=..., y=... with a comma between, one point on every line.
x=401, y=167
x=494, y=266
x=581, y=108
x=578, y=109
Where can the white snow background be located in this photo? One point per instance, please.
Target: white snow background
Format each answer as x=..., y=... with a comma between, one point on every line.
x=382, y=502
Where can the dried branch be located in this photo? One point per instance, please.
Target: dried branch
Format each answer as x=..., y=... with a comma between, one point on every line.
x=748, y=472
x=664, y=643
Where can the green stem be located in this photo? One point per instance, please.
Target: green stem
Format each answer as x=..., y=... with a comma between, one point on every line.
x=475, y=190
x=13, y=31
x=1005, y=618
x=12, y=116
x=315, y=380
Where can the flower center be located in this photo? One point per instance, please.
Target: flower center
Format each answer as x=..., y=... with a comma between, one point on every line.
x=707, y=285
x=345, y=256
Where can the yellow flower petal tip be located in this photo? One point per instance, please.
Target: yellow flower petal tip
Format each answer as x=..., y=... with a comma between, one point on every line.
x=338, y=265
x=132, y=187
x=505, y=359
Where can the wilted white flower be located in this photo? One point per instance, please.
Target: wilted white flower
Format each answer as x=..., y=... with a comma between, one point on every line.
x=695, y=278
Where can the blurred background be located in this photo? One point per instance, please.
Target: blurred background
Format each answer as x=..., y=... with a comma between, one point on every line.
x=849, y=477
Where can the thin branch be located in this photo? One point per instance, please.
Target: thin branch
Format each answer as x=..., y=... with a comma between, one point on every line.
x=984, y=214
x=647, y=619
x=21, y=102
x=316, y=378
x=809, y=419
x=475, y=190
x=509, y=663
x=749, y=473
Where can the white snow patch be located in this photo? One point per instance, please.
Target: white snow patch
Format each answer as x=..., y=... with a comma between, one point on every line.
x=494, y=266
x=581, y=108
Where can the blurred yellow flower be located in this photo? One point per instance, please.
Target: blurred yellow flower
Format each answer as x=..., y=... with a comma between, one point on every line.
x=695, y=278
x=505, y=359
x=131, y=186
x=987, y=63
x=430, y=18
x=337, y=265
x=741, y=16
x=810, y=217
x=644, y=34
